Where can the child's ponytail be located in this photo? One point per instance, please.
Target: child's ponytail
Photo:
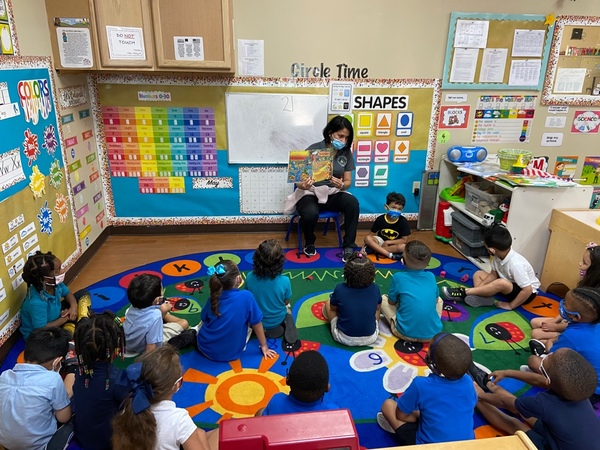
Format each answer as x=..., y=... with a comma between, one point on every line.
x=152, y=378
x=223, y=276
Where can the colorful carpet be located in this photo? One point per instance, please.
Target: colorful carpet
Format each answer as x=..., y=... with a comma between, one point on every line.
x=361, y=378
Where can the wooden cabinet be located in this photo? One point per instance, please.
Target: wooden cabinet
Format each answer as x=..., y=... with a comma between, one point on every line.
x=150, y=35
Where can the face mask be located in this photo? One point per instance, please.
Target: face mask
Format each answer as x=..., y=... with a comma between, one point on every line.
x=55, y=281
x=394, y=213
x=337, y=144
x=582, y=273
x=563, y=312
x=56, y=367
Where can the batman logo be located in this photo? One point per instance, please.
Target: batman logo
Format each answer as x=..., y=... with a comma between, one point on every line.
x=389, y=234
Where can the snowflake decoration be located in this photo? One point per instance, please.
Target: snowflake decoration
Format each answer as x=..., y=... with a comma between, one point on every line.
x=30, y=146
x=50, y=142
x=61, y=207
x=45, y=218
x=56, y=175
x=37, y=182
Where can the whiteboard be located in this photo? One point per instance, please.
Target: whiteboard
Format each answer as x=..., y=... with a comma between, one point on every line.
x=263, y=128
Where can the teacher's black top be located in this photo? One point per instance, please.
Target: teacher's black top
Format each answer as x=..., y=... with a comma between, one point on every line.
x=342, y=161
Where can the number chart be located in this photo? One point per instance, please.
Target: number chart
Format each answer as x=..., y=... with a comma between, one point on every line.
x=146, y=143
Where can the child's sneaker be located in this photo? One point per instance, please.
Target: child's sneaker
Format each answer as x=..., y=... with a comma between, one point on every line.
x=396, y=256
x=348, y=251
x=537, y=347
x=384, y=424
x=480, y=376
x=457, y=294
x=476, y=301
x=310, y=250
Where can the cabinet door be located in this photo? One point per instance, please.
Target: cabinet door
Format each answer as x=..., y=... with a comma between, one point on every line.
x=180, y=25
x=124, y=33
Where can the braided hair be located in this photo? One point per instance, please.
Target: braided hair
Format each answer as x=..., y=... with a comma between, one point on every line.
x=38, y=266
x=99, y=337
x=219, y=282
x=589, y=299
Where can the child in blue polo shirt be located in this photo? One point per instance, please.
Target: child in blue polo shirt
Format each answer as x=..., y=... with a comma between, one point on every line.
x=308, y=380
x=33, y=396
x=413, y=307
x=437, y=408
x=229, y=317
x=272, y=291
x=149, y=323
x=581, y=308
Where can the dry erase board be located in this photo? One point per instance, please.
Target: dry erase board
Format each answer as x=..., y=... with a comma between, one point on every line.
x=263, y=128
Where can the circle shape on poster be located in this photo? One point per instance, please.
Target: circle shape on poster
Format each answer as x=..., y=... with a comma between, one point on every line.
x=181, y=268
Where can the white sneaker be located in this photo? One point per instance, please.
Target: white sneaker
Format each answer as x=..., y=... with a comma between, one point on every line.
x=525, y=368
x=384, y=424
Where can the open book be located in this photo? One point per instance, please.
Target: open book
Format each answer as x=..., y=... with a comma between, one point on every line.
x=305, y=164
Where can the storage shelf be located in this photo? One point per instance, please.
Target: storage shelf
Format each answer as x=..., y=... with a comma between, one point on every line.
x=460, y=206
x=480, y=262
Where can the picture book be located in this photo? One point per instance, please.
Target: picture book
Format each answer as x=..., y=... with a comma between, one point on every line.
x=513, y=179
x=305, y=164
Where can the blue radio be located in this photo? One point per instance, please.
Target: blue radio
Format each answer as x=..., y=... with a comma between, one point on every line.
x=460, y=153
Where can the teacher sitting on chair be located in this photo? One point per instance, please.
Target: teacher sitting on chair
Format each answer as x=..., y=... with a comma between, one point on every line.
x=331, y=195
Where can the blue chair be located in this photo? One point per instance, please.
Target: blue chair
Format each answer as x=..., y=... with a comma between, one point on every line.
x=328, y=216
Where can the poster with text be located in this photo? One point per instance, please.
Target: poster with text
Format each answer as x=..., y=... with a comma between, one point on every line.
x=565, y=166
x=590, y=173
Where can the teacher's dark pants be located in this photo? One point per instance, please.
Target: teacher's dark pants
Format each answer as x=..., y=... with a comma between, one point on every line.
x=308, y=208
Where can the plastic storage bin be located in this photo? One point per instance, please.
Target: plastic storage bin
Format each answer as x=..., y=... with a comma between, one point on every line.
x=467, y=248
x=466, y=228
x=481, y=197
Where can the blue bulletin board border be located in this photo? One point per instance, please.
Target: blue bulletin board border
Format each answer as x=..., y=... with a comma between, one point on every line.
x=454, y=16
x=126, y=206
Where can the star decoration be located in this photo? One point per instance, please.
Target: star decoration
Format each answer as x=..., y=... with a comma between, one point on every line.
x=550, y=19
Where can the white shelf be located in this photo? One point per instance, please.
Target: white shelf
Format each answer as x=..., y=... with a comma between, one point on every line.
x=480, y=262
x=460, y=206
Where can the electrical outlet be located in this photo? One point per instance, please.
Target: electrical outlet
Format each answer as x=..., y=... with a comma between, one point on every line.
x=416, y=185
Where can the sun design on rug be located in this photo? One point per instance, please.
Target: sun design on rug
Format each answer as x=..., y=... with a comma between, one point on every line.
x=238, y=392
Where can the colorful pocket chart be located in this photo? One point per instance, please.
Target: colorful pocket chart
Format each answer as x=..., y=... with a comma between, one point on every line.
x=160, y=142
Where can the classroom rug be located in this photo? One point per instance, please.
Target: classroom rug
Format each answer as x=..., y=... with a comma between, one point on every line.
x=361, y=378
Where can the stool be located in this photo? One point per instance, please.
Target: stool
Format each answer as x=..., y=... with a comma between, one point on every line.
x=323, y=215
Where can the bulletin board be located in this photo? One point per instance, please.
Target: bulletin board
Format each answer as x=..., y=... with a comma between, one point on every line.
x=502, y=30
x=165, y=159
x=35, y=196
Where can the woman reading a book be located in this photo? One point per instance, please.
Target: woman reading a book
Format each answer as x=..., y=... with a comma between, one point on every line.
x=330, y=194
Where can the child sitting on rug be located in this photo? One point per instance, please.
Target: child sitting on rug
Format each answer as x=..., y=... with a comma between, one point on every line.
x=390, y=231
x=308, y=379
x=272, y=291
x=413, y=307
x=353, y=307
x=150, y=419
x=33, y=396
x=99, y=339
x=581, y=309
x=511, y=275
x=226, y=321
x=561, y=417
x=544, y=328
x=439, y=407
x=48, y=301
x=149, y=323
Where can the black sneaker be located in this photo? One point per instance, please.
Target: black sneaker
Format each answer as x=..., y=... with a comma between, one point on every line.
x=310, y=250
x=396, y=256
x=537, y=347
x=348, y=251
x=456, y=294
x=480, y=376
x=183, y=340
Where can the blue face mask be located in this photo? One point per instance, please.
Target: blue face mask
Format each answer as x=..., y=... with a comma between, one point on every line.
x=394, y=214
x=563, y=312
x=337, y=144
